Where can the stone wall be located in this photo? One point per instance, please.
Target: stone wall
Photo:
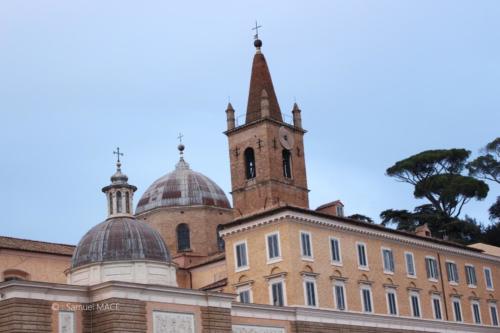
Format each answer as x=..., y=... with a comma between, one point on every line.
x=116, y=315
x=309, y=327
x=215, y=320
x=25, y=315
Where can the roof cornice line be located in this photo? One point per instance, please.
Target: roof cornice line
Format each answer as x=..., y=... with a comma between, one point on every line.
x=307, y=218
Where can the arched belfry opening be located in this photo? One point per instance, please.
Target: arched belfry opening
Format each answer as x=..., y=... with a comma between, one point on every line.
x=287, y=163
x=183, y=237
x=220, y=241
x=250, y=169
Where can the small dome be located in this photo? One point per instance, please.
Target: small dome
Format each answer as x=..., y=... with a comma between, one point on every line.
x=120, y=239
x=182, y=187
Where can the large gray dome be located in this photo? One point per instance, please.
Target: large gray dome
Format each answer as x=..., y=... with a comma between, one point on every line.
x=120, y=239
x=182, y=187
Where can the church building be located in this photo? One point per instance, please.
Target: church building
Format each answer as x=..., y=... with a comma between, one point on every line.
x=186, y=260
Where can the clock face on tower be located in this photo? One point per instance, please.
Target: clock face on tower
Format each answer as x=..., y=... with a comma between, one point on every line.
x=286, y=138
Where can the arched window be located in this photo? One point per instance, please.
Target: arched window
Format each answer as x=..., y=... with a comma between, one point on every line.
x=250, y=169
x=183, y=241
x=15, y=274
x=220, y=242
x=110, y=203
x=118, y=202
x=287, y=163
x=127, y=202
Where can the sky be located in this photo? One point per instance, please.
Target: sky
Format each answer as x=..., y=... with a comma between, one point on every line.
x=377, y=81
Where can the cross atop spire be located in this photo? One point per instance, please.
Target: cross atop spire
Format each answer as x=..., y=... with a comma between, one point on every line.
x=256, y=28
x=180, y=136
x=118, y=154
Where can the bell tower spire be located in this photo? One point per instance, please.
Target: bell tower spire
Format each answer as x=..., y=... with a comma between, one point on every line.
x=266, y=153
x=261, y=84
x=119, y=193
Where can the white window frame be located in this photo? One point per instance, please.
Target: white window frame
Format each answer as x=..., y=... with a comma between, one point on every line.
x=278, y=258
x=383, y=260
x=310, y=279
x=452, y=282
x=339, y=262
x=363, y=268
x=437, y=297
x=412, y=310
x=247, y=266
x=243, y=288
x=467, y=275
x=339, y=210
x=414, y=276
x=493, y=305
x=472, y=303
x=453, y=301
x=366, y=287
x=304, y=257
x=283, y=287
x=340, y=284
x=394, y=292
x=491, y=279
x=433, y=279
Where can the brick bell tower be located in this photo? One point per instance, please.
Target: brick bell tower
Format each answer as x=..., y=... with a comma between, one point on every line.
x=266, y=153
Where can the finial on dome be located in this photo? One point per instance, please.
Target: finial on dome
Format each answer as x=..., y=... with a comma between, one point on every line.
x=181, y=146
x=118, y=154
x=257, y=42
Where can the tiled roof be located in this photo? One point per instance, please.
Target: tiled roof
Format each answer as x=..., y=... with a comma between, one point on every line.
x=209, y=260
x=35, y=246
x=215, y=285
x=250, y=218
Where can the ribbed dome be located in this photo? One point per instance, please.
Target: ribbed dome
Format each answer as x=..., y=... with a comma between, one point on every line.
x=120, y=239
x=182, y=187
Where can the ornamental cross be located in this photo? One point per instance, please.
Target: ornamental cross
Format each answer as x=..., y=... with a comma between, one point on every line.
x=180, y=137
x=256, y=28
x=118, y=154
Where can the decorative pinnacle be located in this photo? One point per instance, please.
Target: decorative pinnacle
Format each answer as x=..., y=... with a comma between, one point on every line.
x=118, y=154
x=181, y=147
x=257, y=42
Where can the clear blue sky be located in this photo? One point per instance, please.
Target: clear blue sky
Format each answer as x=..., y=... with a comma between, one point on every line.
x=377, y=81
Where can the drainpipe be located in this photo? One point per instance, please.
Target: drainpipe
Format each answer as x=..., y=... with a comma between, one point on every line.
x=442, y=287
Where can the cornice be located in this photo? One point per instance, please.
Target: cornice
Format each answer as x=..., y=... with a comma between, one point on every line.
x=300, y=217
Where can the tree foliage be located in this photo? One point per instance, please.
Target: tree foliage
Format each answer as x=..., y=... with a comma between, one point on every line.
x=487, y=166
x=495, y=210
x=437, y=176
x=362, y=218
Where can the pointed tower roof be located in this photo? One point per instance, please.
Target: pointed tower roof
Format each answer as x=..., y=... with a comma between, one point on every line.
x=260, y=82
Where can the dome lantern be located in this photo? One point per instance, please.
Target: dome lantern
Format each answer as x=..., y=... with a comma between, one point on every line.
x=119, y=193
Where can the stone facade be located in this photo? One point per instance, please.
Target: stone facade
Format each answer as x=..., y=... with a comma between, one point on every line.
x=215, y=320
x=202, y=222
x=115, y=315
x=25, y=315
x=269, y=188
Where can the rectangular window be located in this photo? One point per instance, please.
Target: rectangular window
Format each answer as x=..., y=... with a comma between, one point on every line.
x=452, y=271
x=362, y=259
x=392, y=307
x=388, y=259
x=366, y=299
x=457, y=309
x=476, y=312
x=273, y=247
x=277, y=294
x=310, y=289
x=432, y=268
x=340, y=296
x=493, y=314
x=241, y=255
x=436, y=306
x=410, y=264
x=470, y=275
x=488, y=278
x=244, y=296
x=305, y=244
x=415, y=304
x=335, y=251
